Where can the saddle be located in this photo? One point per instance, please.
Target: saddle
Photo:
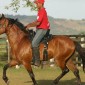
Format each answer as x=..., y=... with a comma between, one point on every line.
x=46, y=38
x=45, y=41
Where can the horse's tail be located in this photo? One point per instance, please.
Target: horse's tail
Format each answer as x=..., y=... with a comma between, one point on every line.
x=81, y=53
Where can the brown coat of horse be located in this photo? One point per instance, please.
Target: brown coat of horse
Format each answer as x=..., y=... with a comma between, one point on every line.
x=61, y=48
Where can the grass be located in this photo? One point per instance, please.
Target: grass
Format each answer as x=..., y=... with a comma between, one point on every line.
x=43, y=76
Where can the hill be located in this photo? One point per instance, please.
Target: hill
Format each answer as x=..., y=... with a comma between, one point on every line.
x=58, y=26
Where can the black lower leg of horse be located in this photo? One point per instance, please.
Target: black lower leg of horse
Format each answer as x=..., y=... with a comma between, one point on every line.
x=4, y=73
x=66, y=70
x=32, y=77
x=42, y=65
x=76, y=73
x=83, y=66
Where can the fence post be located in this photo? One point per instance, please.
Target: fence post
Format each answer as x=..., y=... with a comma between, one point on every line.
x=8, y=50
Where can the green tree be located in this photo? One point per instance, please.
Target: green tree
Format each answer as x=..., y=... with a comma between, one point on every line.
x=16, y=4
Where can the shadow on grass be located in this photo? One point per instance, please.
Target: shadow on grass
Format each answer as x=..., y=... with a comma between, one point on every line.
x=62, y=82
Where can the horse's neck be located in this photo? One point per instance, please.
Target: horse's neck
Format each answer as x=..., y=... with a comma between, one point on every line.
x=15, y=36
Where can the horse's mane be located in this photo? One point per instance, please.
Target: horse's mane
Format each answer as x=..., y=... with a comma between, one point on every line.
x=16, y=22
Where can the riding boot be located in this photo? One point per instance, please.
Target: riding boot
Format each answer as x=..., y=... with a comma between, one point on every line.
x=36, y=56
x=33, y=61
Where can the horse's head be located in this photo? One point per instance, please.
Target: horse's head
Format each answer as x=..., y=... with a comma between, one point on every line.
x=13, y=26
x=3, y=24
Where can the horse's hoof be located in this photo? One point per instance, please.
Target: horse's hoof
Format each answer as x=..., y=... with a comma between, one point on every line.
x=36, y=84
x=5, y=79
x=84, y=70
x=7, y=82
x=79, y=84
x=55, y=82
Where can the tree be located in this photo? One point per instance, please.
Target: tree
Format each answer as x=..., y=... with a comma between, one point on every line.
x=16, y=4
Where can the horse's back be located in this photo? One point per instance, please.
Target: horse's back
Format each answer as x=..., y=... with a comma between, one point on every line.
x=64, y=40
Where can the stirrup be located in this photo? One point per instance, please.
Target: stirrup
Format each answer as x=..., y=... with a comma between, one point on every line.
x=32, y=63
x=37, y=63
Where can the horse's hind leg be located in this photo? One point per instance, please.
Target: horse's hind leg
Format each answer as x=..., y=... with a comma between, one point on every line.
x=65, y=70
x=29, y=69
x=74, y=69
x=12, y=63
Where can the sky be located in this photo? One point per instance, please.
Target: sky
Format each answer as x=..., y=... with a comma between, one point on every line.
x=67, y=9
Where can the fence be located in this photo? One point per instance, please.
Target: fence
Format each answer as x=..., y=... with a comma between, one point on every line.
x=3, y=49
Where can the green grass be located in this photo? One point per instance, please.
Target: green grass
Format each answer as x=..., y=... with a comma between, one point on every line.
x=43, y=76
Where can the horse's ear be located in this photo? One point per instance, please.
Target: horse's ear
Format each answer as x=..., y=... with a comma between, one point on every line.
x=2, y=16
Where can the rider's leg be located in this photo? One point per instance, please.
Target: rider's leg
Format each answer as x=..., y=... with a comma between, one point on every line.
x=40, y=33
x=36, y=56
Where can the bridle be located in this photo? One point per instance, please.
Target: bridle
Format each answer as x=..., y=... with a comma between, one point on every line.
x=4, y=25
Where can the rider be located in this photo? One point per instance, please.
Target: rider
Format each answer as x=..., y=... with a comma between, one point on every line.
x=42, y=25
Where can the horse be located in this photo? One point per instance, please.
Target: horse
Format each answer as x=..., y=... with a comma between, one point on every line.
x=61, y=48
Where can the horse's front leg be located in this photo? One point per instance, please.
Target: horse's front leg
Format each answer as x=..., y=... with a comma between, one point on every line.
x=32, y=77
x=4, y=73
x=12, y=63
x=29, y=70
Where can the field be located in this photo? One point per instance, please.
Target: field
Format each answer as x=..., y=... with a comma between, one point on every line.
x=43, y=76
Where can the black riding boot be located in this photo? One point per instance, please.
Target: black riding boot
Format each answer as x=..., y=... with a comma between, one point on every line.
x=36, y=56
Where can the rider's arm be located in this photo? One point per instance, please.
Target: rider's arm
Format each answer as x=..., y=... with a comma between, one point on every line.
x=33, y=24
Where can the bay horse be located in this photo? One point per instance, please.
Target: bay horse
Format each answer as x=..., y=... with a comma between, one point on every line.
x=61, y=48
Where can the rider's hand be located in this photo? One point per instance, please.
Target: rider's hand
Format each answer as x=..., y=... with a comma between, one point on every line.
x=27, y=27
